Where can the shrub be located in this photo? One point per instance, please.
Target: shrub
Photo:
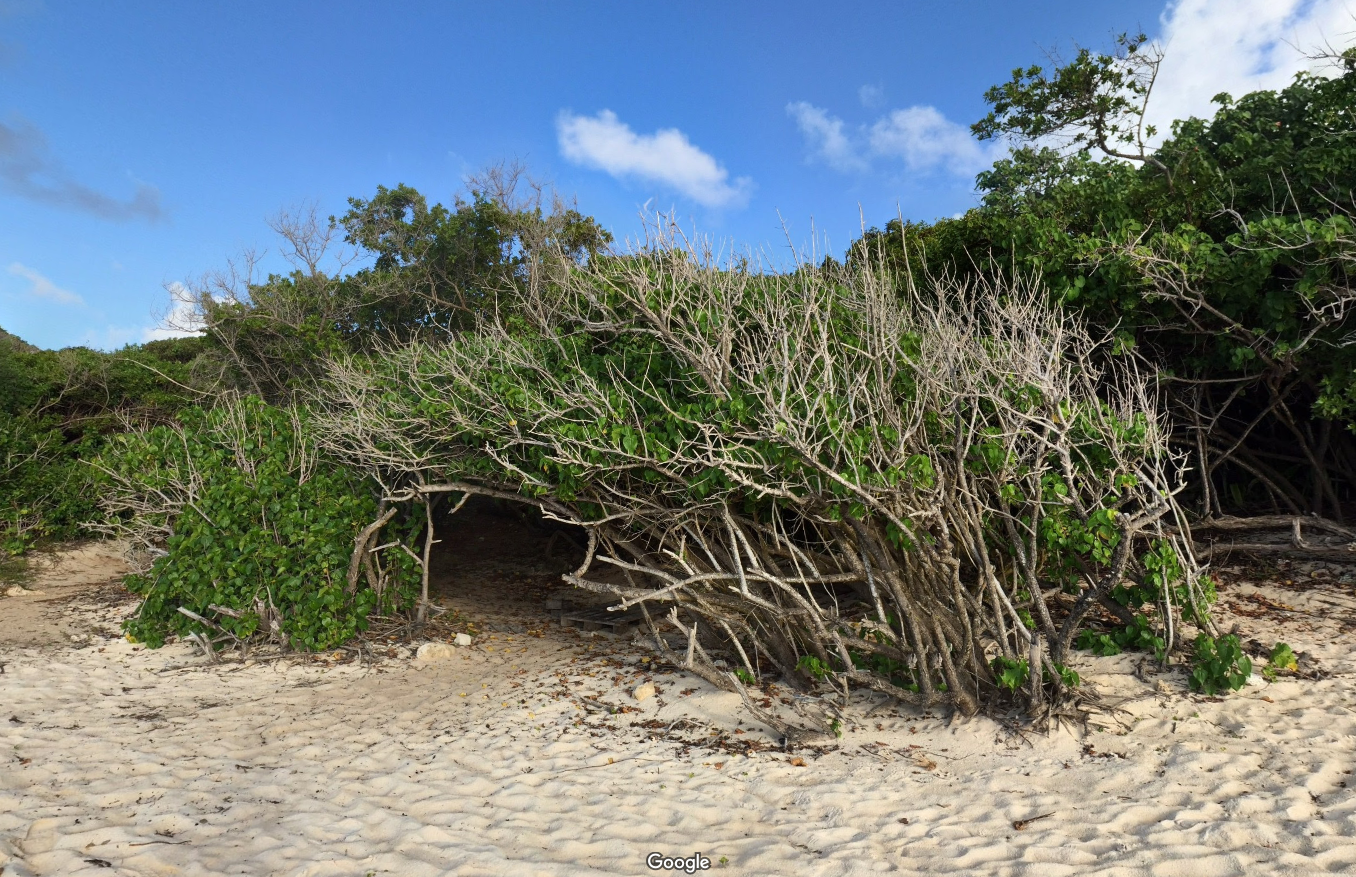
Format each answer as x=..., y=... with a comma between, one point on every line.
x=44, y=487
x=1223, y=259
x=1219, y=664
x=235, y=511
x=56, y=407
x=1283, y=660
x=849, y=483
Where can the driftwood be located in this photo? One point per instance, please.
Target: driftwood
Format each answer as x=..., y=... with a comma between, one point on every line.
x=1287, y=537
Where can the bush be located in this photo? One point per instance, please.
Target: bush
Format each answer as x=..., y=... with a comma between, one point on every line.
x=238, y=512
x=1224, y=260
x=824, y=475
x=56, y=407
x=44, y=487
x=1219, y=664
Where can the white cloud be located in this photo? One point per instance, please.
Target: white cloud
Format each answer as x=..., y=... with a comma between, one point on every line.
x=1239, y=46
x=666, y=156
x=110, y=338
x=927, y=140
x=180, y=321
x=1212, y=46
x=871, y=96
x=824, y=134
x=41, y=287
x=920, y=137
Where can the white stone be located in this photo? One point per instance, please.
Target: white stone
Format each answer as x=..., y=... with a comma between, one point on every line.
x=434, y=652
x=21, y=591
x=643, y=691
x=463, y=639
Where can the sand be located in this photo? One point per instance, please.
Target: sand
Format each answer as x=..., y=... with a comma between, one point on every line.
x=507, y=759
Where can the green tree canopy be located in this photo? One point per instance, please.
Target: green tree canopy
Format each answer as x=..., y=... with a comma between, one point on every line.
x=1224, y=258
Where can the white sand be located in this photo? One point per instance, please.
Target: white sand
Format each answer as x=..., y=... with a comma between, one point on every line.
x=115, y=759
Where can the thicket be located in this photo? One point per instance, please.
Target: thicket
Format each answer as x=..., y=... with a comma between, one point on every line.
x=57, y=409
x=428, y=272
x=243, y=527
x=921, y=490
x=241, y=530
x=1223, y=259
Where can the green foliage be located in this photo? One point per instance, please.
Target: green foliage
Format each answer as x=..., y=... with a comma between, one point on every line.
x=1096, y=99
x=1283, y=660
x=815, y=667
x=257, y=525
x=744, y=676
x=1219, y=665
x=44, y=485
x=1011, y=673
x=885, y=667
x=56, y=408
x=597, y=406
x=1139, y=636
x=459, y=257
x=1222, y=256
x=1164, y=576
x=434, y=271
x=1068, y=676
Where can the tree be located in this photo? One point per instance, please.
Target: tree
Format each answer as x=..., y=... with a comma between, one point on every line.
x=1223, y=259
x=1097, y=101
x=431, y=271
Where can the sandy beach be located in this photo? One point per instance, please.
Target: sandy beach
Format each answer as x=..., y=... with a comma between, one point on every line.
x=526, y=753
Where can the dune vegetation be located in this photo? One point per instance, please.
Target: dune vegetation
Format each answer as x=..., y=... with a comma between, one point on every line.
x=932, y=468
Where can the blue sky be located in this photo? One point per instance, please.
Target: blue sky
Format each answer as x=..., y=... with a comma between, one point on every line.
x=142, y=144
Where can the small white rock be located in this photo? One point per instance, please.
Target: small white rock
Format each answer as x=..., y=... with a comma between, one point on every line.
x=643, y=691
x=434, y=652
x=463, y=639
x=21, y=591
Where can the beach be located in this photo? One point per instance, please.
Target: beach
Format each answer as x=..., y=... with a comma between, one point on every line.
x=527, y=753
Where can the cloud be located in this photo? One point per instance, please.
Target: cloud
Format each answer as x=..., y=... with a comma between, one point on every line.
x=824, y=135
x=1212, y=46
x=1239, y=46
x=666, y=156
x=920, y=137
x=43, y=288
x=927, y=140
x=180, y=321
x=871, y=96
x=28, y=170
x=109, y=338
